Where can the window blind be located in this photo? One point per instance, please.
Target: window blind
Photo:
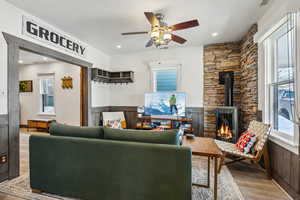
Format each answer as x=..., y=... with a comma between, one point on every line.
x=166, y=80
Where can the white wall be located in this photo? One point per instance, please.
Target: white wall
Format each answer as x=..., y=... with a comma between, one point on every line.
x=102, y=94
x=66, y=101
x=133, y=93
x=11, y=22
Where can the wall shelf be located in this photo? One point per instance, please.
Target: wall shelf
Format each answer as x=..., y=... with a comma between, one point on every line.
x=104, y=76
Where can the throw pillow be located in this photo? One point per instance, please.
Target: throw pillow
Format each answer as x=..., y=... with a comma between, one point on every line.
x=76, y=131
x=246, y=142
x=146, y=136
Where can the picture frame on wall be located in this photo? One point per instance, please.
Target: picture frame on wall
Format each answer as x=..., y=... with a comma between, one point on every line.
x=26, y=86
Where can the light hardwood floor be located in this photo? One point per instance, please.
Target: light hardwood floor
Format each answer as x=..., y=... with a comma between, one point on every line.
x=252, y=182
x=8, y=197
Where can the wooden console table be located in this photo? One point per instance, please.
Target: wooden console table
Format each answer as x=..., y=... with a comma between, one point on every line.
x=39, y=124
x=206, y=147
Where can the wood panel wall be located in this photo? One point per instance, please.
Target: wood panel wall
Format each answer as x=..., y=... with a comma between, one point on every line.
x=198, y=120
x=3, y=145
x=130, y=113
x=285, y=166
x=96, y=114
x=285, y=169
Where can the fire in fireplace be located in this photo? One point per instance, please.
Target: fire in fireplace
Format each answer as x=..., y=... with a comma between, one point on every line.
x=226, y=126
x=225, y=131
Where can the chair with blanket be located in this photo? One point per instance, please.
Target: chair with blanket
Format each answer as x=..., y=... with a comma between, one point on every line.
x=230, y=150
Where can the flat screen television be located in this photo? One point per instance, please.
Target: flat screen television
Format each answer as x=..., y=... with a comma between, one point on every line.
x=165, y=103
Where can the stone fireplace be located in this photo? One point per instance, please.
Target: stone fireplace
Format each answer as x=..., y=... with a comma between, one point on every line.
x=238, y=62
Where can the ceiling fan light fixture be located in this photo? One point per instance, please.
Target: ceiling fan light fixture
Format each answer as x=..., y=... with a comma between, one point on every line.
x=155, y=34
x=160, y=43
x=161, y=34
x=167, y=36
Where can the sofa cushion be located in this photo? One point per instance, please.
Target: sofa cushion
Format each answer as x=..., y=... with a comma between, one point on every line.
x=158, y=137
x=76, y=131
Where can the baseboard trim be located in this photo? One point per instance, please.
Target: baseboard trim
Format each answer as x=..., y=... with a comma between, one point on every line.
x=283, y=190
x=285, y=187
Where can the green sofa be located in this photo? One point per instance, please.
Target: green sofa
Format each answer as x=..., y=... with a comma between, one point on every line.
x=107, y=165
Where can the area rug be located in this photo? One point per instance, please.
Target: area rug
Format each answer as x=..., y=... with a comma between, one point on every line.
x=227, y=188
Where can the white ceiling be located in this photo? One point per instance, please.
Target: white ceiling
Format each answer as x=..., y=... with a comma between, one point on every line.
x=100, y=23
x=28, y=58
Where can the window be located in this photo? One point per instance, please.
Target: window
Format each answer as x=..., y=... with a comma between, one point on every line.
x=280, y=59
x=47, y=94
x=165, y=75
x=165, y=80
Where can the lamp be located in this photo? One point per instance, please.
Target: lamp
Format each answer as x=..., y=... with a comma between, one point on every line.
x=167, y=36
x=155, y=34
x=161, y=35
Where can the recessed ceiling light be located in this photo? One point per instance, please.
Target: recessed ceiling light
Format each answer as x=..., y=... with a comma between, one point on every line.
x=45, y=58
x=215, y=34
x=20, y=61
x=119, y=46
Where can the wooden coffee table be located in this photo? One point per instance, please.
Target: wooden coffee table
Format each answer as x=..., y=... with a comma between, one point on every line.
x=208, y=148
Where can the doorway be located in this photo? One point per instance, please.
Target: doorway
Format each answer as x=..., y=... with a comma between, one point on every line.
x=14, y=45
x=49, y=90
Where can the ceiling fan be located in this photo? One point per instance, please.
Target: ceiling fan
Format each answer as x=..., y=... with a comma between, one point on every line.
x=160, y=33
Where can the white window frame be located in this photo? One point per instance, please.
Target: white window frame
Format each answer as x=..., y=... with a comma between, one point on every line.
x=40, y=77
x=277, y=137
x=163, y=66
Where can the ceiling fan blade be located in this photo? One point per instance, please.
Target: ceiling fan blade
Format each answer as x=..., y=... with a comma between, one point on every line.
x=151, y=18
x=149, y=43
x=185, y=25
x=135, y=33
x=178, y=39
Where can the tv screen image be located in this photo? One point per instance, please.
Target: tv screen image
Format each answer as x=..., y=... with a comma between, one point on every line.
x=165, y=103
